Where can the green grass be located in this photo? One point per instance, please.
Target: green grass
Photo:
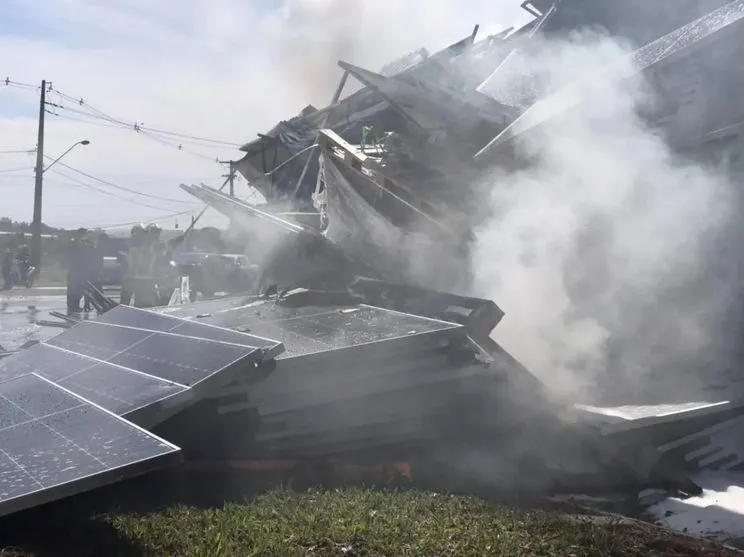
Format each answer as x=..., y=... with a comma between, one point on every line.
x=361, y=522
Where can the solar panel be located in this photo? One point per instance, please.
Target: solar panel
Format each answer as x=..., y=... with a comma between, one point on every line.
x=149, y=320
x=177, y=358
x=689, y=34
x=117, y=389
x=642, y=59
x=54, y=444
x=144, y=375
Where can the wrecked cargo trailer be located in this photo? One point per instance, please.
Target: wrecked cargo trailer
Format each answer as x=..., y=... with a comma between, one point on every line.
x=289, y=254
x=276, y=163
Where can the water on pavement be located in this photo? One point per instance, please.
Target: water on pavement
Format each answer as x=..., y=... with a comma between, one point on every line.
x=19, y=313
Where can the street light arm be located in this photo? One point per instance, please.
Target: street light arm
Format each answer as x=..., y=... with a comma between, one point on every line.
x=51, y=164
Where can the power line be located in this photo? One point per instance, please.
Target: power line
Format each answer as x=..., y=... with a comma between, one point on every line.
x=80, y=183
x=140, y=128
x=161, y=141
x=81, y=120
x=7, y=82
x=17, y=151
x=118, y=187
x=93, y=116
x=132, y=223
x=4, y=170
x=103, y=123
x=142, y=132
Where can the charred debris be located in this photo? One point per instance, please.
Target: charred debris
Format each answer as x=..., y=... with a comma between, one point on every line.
x=351, y=350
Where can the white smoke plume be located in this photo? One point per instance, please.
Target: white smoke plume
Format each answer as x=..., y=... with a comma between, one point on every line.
x=309, y=37
x=598, y=250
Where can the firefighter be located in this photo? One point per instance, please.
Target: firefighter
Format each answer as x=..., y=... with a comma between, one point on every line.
x=165, y=273
x=8, y=269
x=159, y=266
x=23, y=255
x=89, y=269
x=74, y=275
x=132, y=263
x=142, y=275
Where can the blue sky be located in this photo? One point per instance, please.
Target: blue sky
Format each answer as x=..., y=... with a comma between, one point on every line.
x=220, y=69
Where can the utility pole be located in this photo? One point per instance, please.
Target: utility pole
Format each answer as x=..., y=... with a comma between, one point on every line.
x=38, y=183
x=230, y=177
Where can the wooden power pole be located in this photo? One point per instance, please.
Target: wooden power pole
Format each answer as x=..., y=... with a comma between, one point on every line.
x=229, y=178
x=38, y=183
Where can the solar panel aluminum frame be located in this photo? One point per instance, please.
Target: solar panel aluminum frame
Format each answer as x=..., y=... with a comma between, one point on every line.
x=405, y=436
x=272, y=409
x=611, y=424
x=97, y=480
x=150, y=415
x=332, y=419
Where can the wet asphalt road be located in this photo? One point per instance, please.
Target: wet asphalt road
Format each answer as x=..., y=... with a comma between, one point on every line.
x=20, y=308
x=18, y=313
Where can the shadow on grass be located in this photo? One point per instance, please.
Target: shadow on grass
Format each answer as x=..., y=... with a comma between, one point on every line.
x=76, y=526
x=80, y=526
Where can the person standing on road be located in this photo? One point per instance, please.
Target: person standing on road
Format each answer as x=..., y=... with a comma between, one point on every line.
x=132, y=264
x=24, y=262
x=89, y=270
x=7, y=269
x=74, y=275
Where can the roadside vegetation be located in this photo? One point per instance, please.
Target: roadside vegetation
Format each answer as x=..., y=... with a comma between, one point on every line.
x=356, y=522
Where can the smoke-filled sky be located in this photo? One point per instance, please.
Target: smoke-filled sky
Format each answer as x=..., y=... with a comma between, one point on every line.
x=217, y=69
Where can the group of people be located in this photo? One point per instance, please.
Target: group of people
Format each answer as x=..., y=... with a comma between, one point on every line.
x=148, y=274
x=21, y=258
x=84, y=265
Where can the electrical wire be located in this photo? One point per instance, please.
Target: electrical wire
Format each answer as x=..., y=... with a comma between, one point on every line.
x=7, y=82
x=93, y=116
x=17, y=151
x=80, y=183
x=132, y=223
x=154, y=134
x=94, y=120
x=118, y=187
x=5, y=170
x=81, y=120
x=141, y=127
x=178, y=146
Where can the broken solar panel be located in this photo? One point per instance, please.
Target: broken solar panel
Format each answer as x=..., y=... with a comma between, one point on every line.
x=54, y=444
x=688, y=35
x=642, y=59
x=309, y=330
x=623, y=418
x=151, y=321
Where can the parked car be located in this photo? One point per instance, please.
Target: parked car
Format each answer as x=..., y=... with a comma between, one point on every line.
x=210, y=273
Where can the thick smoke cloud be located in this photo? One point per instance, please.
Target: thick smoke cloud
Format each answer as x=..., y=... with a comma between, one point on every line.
x=309, y=37
x=603, y=251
